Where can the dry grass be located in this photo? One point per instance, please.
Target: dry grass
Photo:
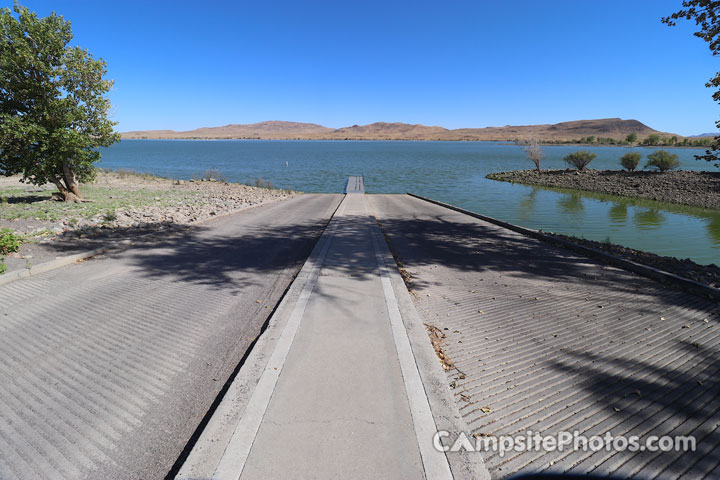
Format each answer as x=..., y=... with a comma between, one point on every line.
x=437, y=338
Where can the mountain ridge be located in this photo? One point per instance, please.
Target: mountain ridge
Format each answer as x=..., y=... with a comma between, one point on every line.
x=615, y=128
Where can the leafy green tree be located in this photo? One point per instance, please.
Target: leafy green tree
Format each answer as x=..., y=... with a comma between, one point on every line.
x=53, y=109
x=706, y=14
x=580, y=159
x=652, y=139
x=630, y=161
x=631, y=138
x=663, y=160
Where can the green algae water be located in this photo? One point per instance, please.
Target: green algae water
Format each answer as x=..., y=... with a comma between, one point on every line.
x=452, y=172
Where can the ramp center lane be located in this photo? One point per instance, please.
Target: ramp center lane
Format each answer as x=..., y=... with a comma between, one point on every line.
x=340, y=394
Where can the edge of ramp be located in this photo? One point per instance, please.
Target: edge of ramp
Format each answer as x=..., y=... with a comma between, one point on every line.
x=463, y=465
x=204, y=452
x=653, y=273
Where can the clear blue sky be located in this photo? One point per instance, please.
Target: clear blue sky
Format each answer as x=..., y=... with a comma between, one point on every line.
x=181, y=65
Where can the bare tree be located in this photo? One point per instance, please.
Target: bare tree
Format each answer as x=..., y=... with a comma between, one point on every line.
x=534, y=152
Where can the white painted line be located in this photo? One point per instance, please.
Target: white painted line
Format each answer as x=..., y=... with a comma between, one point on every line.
x=237, y=451
x=434, y=462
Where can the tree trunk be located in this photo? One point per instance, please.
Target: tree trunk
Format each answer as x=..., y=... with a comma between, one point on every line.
x=67, y=194
x=73, y=190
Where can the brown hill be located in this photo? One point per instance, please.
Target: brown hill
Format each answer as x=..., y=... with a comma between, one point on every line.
x=275, y=130
x=607, y=127
x=390, y=131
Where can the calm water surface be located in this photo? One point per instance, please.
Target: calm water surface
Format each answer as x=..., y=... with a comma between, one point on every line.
x=453, y=172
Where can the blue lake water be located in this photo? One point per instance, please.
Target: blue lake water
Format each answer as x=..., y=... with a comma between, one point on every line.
x=453, y=172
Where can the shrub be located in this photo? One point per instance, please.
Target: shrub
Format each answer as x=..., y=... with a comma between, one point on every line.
x=9, y=241
x=652, y=139
x=580, y=159
x=109, y=217
x=630, y=161
x=211, y=175
x=260, y=183
x=663, y=160
x=214, y=175
x=534, y=153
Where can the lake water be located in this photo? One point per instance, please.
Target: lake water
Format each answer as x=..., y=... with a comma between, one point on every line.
x=453, y=172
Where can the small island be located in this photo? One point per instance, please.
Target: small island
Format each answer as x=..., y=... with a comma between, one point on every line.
x=684, y=187
x=663, y=182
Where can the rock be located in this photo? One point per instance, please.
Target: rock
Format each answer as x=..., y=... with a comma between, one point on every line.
x=701, y=189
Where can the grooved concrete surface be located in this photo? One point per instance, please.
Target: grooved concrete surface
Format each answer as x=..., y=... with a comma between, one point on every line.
x=108, y=366
x=550, y=341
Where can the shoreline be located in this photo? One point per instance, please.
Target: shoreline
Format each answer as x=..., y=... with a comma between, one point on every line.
x=505, y=141
x=123, y=206
x=708, y=275
x=682, y=187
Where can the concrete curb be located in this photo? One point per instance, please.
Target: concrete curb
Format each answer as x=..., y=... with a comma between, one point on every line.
x=53, y=264
x=210, y=446
x=464, y=465
x=653, y=273
x=112, y=246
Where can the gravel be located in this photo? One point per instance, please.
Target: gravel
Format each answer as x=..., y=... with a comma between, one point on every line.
x=699, y=189
x=155, y=205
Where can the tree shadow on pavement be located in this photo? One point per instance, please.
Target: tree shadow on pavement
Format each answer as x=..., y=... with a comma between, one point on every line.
x=480, y=247
x=665, y=380
x=203, y=256
x=477, y=247
x=677, y=397
x=221, y=258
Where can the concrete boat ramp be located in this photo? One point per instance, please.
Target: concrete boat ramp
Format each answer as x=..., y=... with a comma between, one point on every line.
x=222, y=355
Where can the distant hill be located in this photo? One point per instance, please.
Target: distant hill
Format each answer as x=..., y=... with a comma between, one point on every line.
x=270, y=130
x=705, y=135
x=277, y=130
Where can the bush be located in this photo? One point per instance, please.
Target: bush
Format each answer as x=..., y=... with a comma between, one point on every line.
x=652, y=139
x=630, y=161
x=260, y=183
x=9, y=241
x=211, y=175
x=534, y=152
x=663, y=160
x=580, y=159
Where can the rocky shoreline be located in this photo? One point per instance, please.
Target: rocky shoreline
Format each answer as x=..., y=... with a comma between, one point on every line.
x=698, y=189
x=705, y=274
x=122, y=205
